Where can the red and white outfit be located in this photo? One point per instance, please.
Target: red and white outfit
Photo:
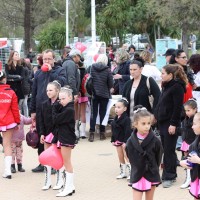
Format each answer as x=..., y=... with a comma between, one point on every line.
x=9, y=115
x=9, y=118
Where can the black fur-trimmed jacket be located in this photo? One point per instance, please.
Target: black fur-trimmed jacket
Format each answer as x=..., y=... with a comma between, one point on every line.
x=121, y=128
x=144, y=158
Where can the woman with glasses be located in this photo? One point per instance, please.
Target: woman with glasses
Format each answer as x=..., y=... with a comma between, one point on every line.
x=180, y=58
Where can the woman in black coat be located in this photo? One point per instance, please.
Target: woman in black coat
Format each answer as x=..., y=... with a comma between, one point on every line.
x=168, y=116
x=136, y=90
x=102, y=80
x=15, y=74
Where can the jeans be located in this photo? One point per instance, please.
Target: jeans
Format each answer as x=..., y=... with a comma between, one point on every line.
x=169, y=146
x=98, y=104
x=23, y=106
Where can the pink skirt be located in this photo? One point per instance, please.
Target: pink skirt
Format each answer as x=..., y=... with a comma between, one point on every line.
x=144, y=185
x=117, y=143
x=48, y=139
x=195, y=188
x=59, y=144
x=82, y=99
x=10, y=126
x=185, y=146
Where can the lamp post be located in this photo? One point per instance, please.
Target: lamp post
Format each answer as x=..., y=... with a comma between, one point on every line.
x=93, y=14
x=67, y=22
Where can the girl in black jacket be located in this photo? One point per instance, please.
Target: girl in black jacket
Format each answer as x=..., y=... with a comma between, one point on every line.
x=188, y=135
x=168, y=115
x=121, y=131
x=64, y=121
x=46, y=129
x=144, y=151
x=193, y=161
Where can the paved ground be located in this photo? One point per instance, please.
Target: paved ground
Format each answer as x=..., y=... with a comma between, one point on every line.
x=95, y=166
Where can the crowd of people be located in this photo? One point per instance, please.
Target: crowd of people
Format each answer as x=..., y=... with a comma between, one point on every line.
x=166, y=100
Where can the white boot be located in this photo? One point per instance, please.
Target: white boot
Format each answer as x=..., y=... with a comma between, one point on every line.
x=47, y=183
x=187, y=182
x=77, y=128
x=59, y=180
x=7, y=167
x=68, y=188
x=122, y=171
x=82, y=130
x=128, y=166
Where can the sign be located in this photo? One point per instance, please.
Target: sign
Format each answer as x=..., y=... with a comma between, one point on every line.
x=3, y=43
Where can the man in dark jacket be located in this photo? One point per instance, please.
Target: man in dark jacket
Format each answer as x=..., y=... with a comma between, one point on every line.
x=72, y=72
x=40, y=82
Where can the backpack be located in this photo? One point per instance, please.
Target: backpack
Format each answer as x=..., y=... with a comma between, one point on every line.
x=87, y=85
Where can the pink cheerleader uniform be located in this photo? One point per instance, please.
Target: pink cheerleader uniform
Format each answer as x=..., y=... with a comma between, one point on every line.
x=188, y=135
x=147, y=151
x=194, y=172
x=46, y=122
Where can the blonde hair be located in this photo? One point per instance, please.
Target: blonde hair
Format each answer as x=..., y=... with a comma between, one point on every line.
x=66, y=89
x=102, y=58
x=146, y=56
x=198, y=115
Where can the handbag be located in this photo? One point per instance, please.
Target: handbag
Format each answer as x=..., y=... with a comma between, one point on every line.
x=151, y=98
x=32, y=137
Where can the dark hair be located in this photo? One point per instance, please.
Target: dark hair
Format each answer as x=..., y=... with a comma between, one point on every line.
x=124, y=101
x=176, y=54
x=138, y=61
x=177, y=72
x=2, y=75
x=139, y=112
x=194, y=62
x=191, y=103
x=136, y=56
x=131, y=47
x=40, y=60
x=10, y=60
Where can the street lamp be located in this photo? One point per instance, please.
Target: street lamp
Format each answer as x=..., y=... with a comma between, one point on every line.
x=67, y=22
x=93, y=21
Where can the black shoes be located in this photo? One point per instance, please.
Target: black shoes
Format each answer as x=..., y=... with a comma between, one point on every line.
x=91, y=137
x=102, y=136
x=20, y=169
x=39, y=168
x=13, y=170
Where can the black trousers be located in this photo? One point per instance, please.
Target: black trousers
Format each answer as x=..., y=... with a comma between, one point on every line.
x=40, y=146
x=169, y=146
x=96, y=103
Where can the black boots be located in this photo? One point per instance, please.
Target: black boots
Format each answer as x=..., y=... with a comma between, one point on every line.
x=91, y=137
x=13, y=170
x=102, y=136
x=20, y=169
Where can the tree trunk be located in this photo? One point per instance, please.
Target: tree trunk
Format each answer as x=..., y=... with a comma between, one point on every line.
x=27, y=25
x=185, y=38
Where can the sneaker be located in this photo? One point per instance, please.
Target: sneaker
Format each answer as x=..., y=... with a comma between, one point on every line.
x=39, y=168
x=167, y=183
